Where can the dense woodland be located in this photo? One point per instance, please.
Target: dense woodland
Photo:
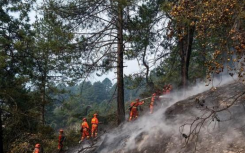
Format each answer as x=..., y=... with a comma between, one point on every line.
x=73, y=103
x=45, y=64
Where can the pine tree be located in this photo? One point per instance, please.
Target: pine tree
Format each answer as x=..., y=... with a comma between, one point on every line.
x=100, y=24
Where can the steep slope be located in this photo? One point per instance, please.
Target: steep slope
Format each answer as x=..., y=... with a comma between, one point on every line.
x=203, y=123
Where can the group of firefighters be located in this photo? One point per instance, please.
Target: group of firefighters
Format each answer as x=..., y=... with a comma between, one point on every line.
x=84, y=130
x=94, y=121
x=154, y=98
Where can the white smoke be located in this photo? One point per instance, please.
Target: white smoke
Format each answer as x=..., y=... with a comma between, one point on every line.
x=151, y=127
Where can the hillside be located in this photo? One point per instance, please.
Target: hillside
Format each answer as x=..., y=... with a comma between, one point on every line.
x=163, y=132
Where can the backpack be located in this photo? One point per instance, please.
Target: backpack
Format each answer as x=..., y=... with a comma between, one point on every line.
x=130, y=107
x=63, y=139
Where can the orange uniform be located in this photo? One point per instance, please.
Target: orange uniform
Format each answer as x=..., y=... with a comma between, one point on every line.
x=37, y=149
x=134, y=111
x=85, y=129
x=168, y=89
x=94, y=122
x=163, y=91
x=61, y=140
x=152, y=103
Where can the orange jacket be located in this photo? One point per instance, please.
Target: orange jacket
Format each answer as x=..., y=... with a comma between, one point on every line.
x=136, y=104
x=94, y=120
x=153, y=99
x=84, y=125
x=36, y=150
x=61, y=138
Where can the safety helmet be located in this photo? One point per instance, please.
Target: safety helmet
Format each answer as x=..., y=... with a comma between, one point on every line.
x=84, y=119
x=95, y=114
x=37, y=145
x=61, y=131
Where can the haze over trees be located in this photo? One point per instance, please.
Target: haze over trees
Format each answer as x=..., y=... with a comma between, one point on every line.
x=44, y=65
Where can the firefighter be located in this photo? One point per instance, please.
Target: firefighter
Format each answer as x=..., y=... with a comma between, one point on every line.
x=84, y=130
x=158, y=93
x=163, y=91
x=37, y=148
x=134, y=109
x=94, y=122
x=153, y=98
x=61, y=140
x=168, y=89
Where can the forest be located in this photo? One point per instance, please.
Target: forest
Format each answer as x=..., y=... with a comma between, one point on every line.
x=46, y=61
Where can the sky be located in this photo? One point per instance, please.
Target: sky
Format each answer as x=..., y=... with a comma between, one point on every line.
x=132, y=66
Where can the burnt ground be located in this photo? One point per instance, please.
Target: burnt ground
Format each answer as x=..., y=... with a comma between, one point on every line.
x=218, y=127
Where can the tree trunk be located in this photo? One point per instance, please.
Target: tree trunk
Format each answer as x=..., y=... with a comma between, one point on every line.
x=185, y=45
x=1, y=132
x=43, y=85
x=120, y=86
x=149, y=82
x=43, y=102
x=43, y=108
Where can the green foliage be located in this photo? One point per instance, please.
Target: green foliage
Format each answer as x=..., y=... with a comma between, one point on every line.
x=166, y=6
x=86, y=99
x=141, y=29
x=41, y=63
x=19, y=116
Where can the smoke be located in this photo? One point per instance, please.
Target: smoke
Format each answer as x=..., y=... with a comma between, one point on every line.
x=202, y=87
x=156, y=133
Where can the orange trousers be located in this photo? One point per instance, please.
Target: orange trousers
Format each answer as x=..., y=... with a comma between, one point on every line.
x=85, y=134
x=60, y=146
x=151, y=109
x=94, y=130
x=133, y=114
